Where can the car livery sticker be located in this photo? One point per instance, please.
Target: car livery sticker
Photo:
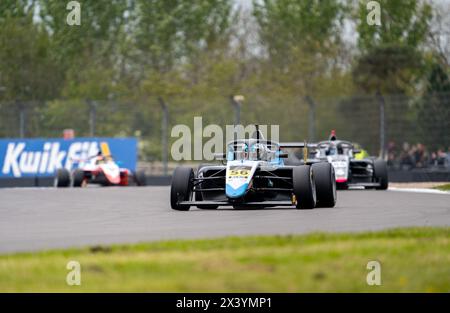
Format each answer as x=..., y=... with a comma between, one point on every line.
x=341, y=167
x=238, y=177
x=111, y=171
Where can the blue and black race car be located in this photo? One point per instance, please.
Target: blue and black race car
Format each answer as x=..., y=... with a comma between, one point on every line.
x=253, y=174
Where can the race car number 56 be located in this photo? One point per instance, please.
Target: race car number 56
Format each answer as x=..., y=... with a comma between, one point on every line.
x=242, y=173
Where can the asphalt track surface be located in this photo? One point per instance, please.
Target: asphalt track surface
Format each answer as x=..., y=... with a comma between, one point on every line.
x=47, y=218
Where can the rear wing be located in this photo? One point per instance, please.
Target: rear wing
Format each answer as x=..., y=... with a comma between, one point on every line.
x=104, y=150
x=303, y=145
x=338, y=142
x=297, y=145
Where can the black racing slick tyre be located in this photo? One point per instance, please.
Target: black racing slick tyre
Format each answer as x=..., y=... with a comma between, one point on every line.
x=325, y=181
x=140, y=178
x=181, y=189
x=62, y=178
x=78, y=178
x=380, y=173
x=304, y=187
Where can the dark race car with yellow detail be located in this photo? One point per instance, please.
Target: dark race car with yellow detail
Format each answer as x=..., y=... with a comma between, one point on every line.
x=353, y=166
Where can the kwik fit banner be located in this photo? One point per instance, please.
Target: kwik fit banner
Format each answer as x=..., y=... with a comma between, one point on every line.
x=41, y=157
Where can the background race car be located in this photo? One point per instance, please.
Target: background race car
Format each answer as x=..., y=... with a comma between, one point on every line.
x=98, y=169
x=352, y=167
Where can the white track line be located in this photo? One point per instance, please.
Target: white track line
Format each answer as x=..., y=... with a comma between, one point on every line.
x=421, y=190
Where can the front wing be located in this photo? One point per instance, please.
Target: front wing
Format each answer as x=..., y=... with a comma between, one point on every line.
x=365, y=184
x=246, y=204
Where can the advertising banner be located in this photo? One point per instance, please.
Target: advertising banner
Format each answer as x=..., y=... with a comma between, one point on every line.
x=41, y=157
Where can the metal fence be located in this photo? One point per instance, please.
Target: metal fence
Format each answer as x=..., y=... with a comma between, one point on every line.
x=408, y=132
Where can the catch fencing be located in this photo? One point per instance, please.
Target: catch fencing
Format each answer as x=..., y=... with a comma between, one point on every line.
x=408, y=132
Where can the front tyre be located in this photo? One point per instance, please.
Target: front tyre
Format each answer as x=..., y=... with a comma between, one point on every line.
x=304, y=187
x=181, y=189
x=62, y=178
x=325, y=181
x=380, y=172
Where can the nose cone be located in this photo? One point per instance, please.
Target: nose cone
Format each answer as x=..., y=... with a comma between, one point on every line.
x=236, y=193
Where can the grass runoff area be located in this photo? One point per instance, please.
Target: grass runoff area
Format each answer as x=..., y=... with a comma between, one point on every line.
x=412, y=260
x=445, y=187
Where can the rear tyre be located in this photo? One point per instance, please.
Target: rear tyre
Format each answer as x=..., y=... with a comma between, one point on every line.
x=325, y=181
x=304, y=187
x=140, y=178
x=181, y=189
x=78, y=178
x=380, y=172
x=62, y=178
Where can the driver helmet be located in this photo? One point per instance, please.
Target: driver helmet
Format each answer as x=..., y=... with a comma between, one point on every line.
x=332, y=149
x=245, y=152
x=100, y=157
x=259, y=148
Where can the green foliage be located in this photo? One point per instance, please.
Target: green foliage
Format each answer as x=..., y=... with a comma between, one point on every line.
x=102, y=22
x=27, y=72
x=288, y=24
x=17, y=8
x=168, y=31
x=301, y=41
x=445, y=187
x=403, y=22
x=389, y=69
x=195, y=55
x=412, y=260
x=391, y=61
x=434, y=109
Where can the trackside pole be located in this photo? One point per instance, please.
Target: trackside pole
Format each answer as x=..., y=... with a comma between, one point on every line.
x=164, y=127
x=312, y=119
x=22, y=120
x=92, y=117
x=382, y=131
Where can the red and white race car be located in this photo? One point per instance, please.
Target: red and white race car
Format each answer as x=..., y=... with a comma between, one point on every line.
x=99, y=169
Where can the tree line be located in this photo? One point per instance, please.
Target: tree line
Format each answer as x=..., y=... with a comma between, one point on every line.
x=128, y=55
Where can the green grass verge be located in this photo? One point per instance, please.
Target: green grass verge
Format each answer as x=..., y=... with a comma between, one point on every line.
x=412, y=260
x=445, y=187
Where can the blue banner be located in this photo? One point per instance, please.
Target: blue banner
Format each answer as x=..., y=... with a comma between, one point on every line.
x=41, y=157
